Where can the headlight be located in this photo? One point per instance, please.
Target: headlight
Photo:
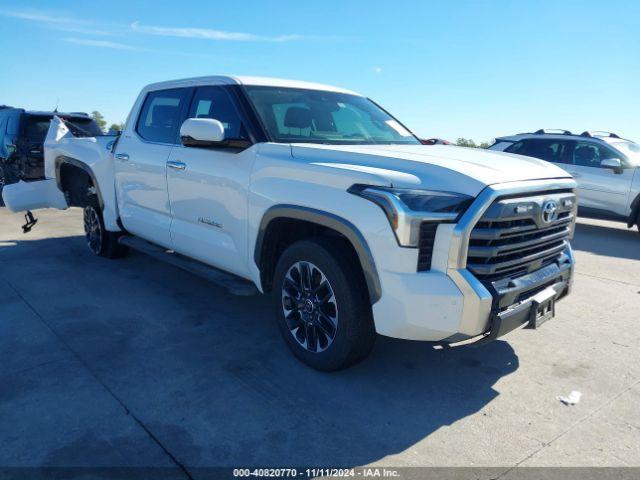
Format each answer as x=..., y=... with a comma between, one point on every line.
x=407, y=209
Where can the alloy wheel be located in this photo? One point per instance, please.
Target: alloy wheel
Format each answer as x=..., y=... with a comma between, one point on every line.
x=93, y=229
x=309, y=306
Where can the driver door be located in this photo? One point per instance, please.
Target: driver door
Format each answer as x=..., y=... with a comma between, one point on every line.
x=208, y=188
x=600, y=188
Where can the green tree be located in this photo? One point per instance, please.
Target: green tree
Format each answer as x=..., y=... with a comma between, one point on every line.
x=116, y=127
x=97, y=116
x=467, y=142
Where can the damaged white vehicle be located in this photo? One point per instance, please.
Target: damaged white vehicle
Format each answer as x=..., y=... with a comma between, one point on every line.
x=318, y=196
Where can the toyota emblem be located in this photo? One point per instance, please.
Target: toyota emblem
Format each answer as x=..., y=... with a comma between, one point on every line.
x=549, y=211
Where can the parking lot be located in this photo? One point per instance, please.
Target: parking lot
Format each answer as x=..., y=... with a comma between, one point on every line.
x=133, y=362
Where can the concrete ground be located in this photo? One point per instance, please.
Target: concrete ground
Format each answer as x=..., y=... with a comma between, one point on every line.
x=133, y=362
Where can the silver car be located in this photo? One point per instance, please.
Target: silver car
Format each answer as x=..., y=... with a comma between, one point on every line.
x=606, y=167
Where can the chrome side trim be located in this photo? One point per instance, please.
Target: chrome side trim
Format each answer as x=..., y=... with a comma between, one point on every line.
x=476, y=310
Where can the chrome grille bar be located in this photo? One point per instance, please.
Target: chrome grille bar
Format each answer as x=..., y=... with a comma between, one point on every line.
x=518, y=235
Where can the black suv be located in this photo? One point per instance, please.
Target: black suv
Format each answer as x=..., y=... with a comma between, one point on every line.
x=22, y=135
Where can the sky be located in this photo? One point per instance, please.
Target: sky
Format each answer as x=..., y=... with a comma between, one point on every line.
x=446, y=69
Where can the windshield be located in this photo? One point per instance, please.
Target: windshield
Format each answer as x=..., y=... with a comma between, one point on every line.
x=631, y=150
x=37, y=126
x=293, y=115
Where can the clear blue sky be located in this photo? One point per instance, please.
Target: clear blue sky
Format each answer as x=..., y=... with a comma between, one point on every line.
x=445, y=68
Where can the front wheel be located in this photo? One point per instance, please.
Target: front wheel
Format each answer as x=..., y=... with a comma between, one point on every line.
x=101, y=241
x=322, y=304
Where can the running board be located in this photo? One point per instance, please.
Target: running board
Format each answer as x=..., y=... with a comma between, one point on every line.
x=232, y=283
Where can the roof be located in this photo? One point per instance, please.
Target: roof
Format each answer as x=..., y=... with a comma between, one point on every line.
x=45, y=113
x=243, y=80
x=561, y=136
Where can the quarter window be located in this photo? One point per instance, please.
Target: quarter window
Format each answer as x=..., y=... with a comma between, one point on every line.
x=160, y=114
x=515, y=148
x=215, y=102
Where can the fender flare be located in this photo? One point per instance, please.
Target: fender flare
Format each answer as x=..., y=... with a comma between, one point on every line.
x=62, y=160
x=334, y=222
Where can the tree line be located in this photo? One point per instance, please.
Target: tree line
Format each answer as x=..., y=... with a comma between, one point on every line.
x=467, y=142
x=102, y=123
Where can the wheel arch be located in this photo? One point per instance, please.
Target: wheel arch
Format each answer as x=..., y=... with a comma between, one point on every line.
x=319, y=218
x=63, y=161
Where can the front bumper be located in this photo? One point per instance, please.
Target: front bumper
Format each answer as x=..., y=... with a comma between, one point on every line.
x=449, y=303
x=535, y=295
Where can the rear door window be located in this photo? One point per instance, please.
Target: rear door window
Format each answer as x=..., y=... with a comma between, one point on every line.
x=544, y=149
x=160, y=115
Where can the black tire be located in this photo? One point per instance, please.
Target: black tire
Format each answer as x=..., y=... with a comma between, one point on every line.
x=101, y=241
x=328, y=261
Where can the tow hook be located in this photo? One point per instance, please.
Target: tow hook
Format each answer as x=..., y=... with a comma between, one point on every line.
x=30, y=222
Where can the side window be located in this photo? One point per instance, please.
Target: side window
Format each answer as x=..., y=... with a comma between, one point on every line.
x=215, y=102
x=158, y=120
x=549, y=150
x=515, y=148
x=588, y=154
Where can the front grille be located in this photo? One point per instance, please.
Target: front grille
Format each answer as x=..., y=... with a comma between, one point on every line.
x=513, y=238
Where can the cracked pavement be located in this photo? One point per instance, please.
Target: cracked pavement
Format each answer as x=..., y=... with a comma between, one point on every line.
x=133, y=362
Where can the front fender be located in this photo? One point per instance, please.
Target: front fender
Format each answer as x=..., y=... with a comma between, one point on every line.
x=333, y=222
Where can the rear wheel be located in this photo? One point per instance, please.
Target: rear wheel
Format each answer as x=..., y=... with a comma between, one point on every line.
x=322, y=306
x=99, y=240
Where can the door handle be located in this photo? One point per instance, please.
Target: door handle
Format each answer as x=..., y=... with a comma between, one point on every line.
x=176, y=165
x=122, y=156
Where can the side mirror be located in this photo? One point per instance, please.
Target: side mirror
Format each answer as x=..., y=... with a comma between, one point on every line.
x=614, y=164
x=201, y=132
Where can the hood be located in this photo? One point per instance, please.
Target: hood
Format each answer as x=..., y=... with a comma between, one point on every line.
x=443, y=167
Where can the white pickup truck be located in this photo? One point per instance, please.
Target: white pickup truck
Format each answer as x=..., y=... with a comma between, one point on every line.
x=320, y=197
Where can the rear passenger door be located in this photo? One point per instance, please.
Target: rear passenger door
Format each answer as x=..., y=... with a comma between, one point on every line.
x=141, y=162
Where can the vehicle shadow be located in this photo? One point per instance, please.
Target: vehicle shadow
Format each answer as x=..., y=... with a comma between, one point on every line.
x=603, y=239
x=207, y=373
